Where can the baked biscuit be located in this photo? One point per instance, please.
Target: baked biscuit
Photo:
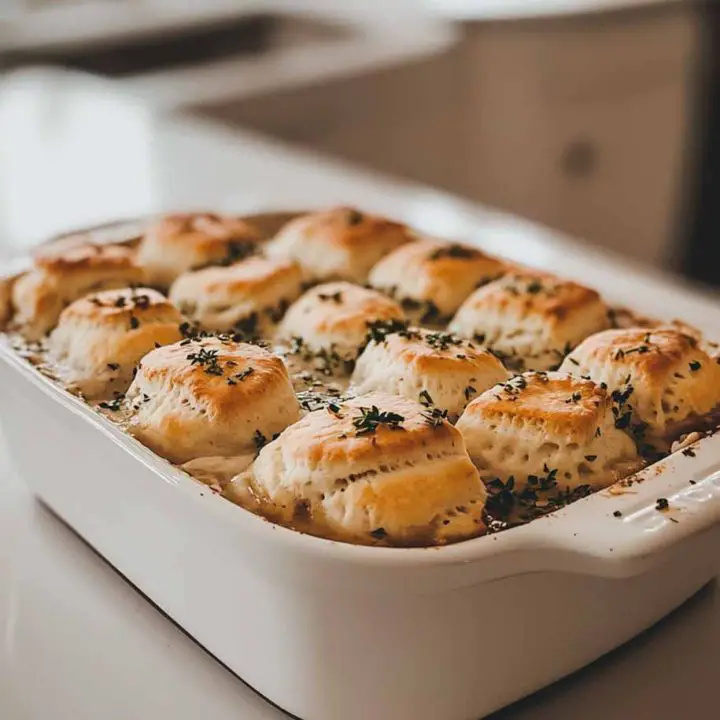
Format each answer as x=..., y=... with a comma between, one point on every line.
x=378, y=468
x=547, y=432
x=436, y=369
x=5, y=304
x=530, y=320
x=209, y=397
x=662, y=380
x=182, y=242
x=100, y=338
x=60, y=277
x=59, y=246
x=329, y=323
x=338, y=244
x=431, y=278
x=249, y=296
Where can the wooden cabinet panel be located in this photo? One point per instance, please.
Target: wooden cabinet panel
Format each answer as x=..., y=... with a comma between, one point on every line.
x=409, y=120
x=583, y=124
x=579, y=123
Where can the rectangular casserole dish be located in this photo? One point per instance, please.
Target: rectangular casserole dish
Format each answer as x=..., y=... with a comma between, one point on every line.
x=327, y=630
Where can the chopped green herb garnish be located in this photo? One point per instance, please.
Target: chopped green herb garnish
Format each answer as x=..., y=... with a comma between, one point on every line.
x=640, y=349
x=454, y=250
x=113, y=405
x=442, y=340
x=208, y=359
x=247, y=327
x=371, y=418
x=623, y=421
x=141, y=301
x=333, y=409
x=335, y=297
x=428, y=311
x=354, y=217
x=378, y=330
x=244, y=373
x=260, y=440
x=425, y=398
x=435, y=417
x=534, y=287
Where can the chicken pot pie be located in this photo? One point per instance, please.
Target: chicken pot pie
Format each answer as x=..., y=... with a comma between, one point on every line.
x=366, y=455
x=61, y=276
x=437, y=369
x=329, y=324
x=547, y=432
x=431, y=278
x=100, y=338
x=663, y=382
x=249, y=297
x=182, y=242
x=530, y=320
x=378, y=468
x=209, y=396
x=337, y=244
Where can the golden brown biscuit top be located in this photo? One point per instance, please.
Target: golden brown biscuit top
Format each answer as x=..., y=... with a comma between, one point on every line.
x=534, y=293
x=349, y=228
x=653, y=353
x=61, y=245
x=563, y=404
x=343, y=307
x=204, y=232
x=368, y=427
x=86, y=257
x=431, y=351
x=249, y=276
x=217, y=372
x=446, y=261
x=121, y=306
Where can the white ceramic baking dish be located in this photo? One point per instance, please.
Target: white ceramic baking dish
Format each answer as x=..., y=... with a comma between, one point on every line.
x=330, y=631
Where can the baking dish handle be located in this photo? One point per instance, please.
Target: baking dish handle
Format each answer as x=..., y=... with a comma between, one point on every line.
x=636, y=525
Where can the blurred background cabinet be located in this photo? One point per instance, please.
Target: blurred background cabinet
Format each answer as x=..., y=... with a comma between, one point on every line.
x=579, y=116
x=580, y=122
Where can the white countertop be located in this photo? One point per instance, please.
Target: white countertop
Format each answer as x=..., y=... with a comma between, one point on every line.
x=77, y=642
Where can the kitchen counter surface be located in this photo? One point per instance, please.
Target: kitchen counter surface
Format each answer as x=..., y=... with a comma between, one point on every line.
x=76, y=641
